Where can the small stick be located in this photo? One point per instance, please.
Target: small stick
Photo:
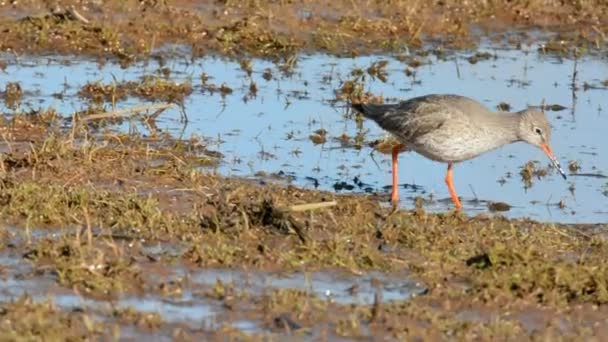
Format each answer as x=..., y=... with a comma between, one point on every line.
x=127, y=112
x=474, y=194
x=312, y=206
x=573, y=85
x=77, y=15
x=87, y=220
x=457, y=69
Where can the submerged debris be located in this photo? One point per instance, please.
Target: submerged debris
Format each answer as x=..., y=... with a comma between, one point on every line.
x=529, y=171
x=13, y=94
x=151, y=87
x=553, y=107
x=378, y=70
x=498, y=206
x=319, y=136
x=480, y=56
x=574, y=166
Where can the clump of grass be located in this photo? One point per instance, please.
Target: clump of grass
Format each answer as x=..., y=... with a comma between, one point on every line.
x=319, y=136
x=145, y=320
x=13, y=95
x=521, y=259
x=240, y=36
x=378, y=70
x=98, y=92
x=224, y=89
x=154, y=88
x=60, y=32
x=530, y=171
x=277, y=30
x=246, y=66
x=86, y=268
x=24, y=319
x=151, y=88
x=480, y=56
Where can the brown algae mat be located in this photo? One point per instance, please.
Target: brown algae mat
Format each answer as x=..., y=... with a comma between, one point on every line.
x=110, y=195
x=130, y=29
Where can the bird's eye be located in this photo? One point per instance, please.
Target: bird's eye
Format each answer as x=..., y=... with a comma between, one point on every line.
x=538, y=131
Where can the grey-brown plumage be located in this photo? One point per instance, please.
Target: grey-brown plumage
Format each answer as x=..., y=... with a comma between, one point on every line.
x=453, y=128
x=411, y=119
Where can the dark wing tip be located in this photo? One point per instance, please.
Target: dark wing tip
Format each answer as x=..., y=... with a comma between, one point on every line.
x=358, y=107
x=376, y=112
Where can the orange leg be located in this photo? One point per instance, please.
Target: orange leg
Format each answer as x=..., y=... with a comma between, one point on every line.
x=450, y=183
x=395, y=194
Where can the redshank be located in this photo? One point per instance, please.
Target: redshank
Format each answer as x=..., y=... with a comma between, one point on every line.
x=453, y=128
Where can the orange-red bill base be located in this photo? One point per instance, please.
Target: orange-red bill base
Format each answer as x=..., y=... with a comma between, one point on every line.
x=545, y=147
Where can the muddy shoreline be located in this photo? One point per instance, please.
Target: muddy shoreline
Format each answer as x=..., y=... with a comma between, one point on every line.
x=114, y=227
x=113, y=218
x=135, y=30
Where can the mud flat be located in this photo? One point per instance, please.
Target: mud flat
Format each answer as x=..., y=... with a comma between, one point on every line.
x=172, y=170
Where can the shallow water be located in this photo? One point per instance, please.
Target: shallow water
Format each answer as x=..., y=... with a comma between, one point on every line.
x=19, y=280
x=270, y=132
x=191, y=307
x=340, y=289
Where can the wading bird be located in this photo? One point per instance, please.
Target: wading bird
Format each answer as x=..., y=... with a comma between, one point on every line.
x=453, y=128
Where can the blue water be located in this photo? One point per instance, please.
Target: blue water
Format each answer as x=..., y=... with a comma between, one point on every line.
x=270, y=132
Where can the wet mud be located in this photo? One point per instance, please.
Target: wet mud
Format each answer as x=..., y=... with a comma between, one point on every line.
x=177, y=170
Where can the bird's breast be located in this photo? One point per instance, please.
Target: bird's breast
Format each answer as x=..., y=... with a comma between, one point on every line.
x=455, y=146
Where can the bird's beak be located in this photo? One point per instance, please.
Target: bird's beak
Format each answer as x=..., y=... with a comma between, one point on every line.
x=545, y=147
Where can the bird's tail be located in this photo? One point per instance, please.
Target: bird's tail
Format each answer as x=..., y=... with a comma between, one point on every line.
x=373, y=111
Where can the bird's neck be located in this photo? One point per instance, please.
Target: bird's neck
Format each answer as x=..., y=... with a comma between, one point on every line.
x=507, y=127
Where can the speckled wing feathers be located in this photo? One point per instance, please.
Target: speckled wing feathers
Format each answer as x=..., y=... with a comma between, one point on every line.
x=413, y=118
